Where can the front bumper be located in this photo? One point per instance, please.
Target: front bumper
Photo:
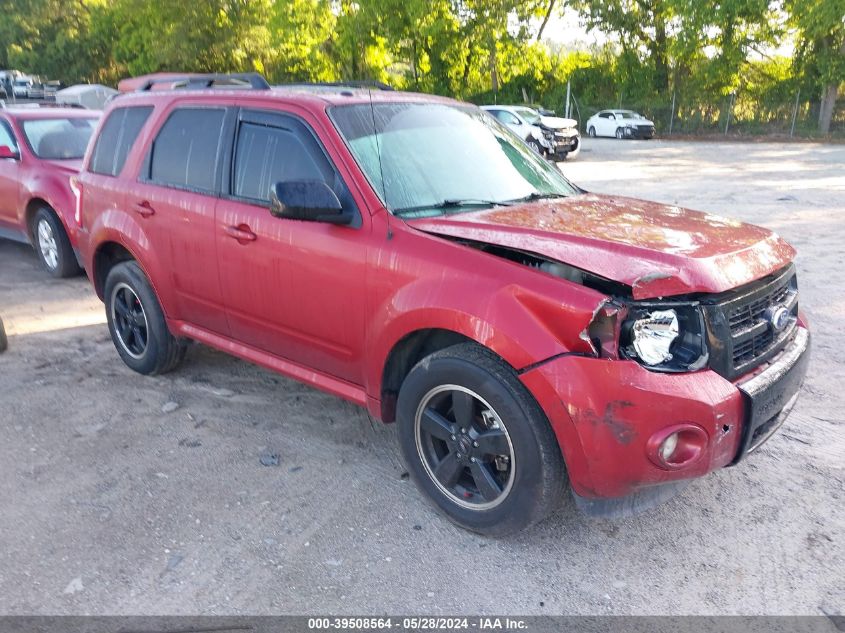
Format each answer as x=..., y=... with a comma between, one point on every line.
x=635, y=132
x=604, y=412
x=561, y=147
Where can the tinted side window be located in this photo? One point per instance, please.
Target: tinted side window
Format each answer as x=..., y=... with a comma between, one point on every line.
x=186, y=150
x=118, y=134
x=266, y=155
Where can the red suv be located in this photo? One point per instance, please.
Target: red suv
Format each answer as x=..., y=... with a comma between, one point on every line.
x=40, y=150
x=409, y=254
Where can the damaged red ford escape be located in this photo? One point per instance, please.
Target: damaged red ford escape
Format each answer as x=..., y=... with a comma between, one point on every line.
x=411, y=255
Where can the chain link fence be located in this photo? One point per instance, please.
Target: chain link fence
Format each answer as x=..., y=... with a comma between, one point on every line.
x=733, y=115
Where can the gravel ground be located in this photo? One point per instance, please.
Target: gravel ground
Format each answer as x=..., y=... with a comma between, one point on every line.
x=130, y=495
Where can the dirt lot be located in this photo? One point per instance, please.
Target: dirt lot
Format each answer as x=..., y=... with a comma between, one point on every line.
x=114, y=500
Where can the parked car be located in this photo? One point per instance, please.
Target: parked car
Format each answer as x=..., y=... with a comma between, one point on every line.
x=35, y=91
x=40, y=149
x=553, y=137
x=407, y=253
x=621, y=124
x=21, y=87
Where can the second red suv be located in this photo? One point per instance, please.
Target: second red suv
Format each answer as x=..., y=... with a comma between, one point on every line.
x=41, y=149
x=411, y=255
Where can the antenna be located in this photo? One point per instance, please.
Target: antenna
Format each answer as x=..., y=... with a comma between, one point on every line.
x=380, y=165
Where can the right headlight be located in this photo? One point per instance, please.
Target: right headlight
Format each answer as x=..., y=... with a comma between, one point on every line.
x=664, y=338
x=652, y=336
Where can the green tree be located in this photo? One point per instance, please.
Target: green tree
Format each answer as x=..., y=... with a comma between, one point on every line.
x=199, y=36
x=53, y=38
x=301, y=41
x=821, y=49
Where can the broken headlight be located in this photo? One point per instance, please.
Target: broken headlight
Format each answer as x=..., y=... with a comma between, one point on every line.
x=664, y=338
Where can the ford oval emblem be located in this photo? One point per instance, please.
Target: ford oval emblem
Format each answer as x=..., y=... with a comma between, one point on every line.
x=778, y=317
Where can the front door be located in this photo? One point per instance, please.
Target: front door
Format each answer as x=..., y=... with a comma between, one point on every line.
x=292, y=288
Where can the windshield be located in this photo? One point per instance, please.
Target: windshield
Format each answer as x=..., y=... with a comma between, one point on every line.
x=627, y=114
x=531, y=116
x=58, y=139
x=21, y=82
x=427, y=159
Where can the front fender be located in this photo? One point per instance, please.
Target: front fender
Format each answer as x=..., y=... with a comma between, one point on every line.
x=55, y=191
x=523, y=326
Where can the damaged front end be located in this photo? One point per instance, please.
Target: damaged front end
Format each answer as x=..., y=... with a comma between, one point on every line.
x=662, y=335
x=633, y=433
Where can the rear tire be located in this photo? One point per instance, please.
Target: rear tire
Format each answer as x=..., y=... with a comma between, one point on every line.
x=477, y=443
x=136, y=322
x=52, y=245
x=591, y=132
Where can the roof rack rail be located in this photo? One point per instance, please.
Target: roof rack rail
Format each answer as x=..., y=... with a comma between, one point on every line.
x=254, y=81
x=378, y=85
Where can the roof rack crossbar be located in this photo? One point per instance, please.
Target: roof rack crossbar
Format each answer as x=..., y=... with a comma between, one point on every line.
x=238, y=80
x=378, y=85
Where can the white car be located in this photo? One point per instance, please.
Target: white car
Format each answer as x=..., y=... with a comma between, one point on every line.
x=621, y=124
x=554, y=137
x=21, y=87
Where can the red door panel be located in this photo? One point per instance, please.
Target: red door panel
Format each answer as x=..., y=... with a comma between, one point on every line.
x=295, y=289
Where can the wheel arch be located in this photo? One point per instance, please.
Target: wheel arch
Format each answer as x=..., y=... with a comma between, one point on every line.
x=410, y=350
x=106, y=257
x=35, y=203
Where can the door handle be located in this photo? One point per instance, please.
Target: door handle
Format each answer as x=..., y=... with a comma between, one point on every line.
x=242, y=233
x=144, y=209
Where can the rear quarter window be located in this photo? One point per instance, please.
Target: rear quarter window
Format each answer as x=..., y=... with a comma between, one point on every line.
x=117, y=136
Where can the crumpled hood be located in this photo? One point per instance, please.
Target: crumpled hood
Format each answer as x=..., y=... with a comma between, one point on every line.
x=557, y=123
x=659, y=250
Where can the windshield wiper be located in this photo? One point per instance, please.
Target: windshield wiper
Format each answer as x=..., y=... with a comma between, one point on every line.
x=537, y=195
x=454, y=203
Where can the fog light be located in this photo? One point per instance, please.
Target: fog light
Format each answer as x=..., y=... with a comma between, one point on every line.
x=667, y=448
x=677, y=447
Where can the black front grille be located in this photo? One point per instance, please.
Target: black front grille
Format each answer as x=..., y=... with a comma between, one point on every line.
x=740, y=333
x=743, y=315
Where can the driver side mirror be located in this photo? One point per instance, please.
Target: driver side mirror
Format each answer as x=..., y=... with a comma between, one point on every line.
x=309, y=200
x=8, y=152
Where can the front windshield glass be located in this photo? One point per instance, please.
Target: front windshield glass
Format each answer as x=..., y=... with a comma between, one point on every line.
x=627, y=114
x=59, y=139
x=428, y=159
x=531, y=116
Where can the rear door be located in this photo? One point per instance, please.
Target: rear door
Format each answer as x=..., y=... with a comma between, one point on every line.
x=292, y=288
x=9, y=179
x=175, y=198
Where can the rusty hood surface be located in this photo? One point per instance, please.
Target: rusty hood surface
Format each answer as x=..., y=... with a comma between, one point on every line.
x=659, y=250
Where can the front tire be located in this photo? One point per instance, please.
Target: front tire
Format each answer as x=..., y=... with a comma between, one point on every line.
x=52, y=245
x=136, y=322
x=534, y=145
x=620, y=134
x=476, y=442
